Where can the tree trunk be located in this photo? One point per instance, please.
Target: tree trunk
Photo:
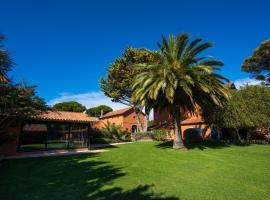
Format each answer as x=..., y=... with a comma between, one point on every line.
x=248, y=136
x=178, y=138
x=137, y=116
x=146, y=119
x=240, y=141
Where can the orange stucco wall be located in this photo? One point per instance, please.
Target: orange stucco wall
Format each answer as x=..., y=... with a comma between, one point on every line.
x=118, y=120
x=161, y=117
x=164, y=117
x=130, y=119
x=206, y=131
x=125, y=121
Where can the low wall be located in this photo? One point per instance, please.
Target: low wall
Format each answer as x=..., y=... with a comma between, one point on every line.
x=249, y=142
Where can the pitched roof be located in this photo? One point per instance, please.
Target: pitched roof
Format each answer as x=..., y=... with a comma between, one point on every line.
x=65, y=116
x=117, y=112
x=230, y=85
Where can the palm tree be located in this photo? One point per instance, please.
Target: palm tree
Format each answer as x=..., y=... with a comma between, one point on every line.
x=5, y=62
x=181, y=80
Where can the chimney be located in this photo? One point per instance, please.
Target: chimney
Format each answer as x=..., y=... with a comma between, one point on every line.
x=101, y=113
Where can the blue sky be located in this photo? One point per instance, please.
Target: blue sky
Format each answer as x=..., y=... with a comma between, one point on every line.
x=64, y=46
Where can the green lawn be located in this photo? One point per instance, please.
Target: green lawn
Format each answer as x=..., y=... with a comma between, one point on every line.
x=144, y=170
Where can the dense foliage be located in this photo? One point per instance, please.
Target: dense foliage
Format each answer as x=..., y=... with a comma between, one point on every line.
x=246, y=110
x=156, y=134
x=71, y=106
x=161, y=134
x=17, y=101
x=180, y=81
x=114, y=131
x=151, y=123
x=96, y=111
x=5, y=62
x=110, y=133
x=259, y=62
x=120, y=77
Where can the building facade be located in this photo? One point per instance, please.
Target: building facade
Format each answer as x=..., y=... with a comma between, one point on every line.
x=126, y=118
x=164, y=120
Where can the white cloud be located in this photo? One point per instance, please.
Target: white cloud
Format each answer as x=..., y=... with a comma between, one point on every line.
x=89, y=99
x=246, y=81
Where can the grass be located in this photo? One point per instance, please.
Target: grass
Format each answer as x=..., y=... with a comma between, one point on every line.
x=144, y=170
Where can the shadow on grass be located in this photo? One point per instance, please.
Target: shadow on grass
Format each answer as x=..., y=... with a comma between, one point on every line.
x=73, y=177
x=198, y=145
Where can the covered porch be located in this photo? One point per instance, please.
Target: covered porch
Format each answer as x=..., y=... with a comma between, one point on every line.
x=55, y=130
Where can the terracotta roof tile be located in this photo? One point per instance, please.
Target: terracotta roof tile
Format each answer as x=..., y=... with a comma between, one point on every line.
x=117, y=112
x=230, y=85
x=196, y=120
x=65, y=116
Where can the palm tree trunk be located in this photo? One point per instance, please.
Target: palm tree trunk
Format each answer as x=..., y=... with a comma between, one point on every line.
x=146, y=122
x=178, y=138
x=146, y=119
x=137, y=116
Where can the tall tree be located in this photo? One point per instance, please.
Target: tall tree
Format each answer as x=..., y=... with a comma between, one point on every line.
x=181, y=81
x=5, y=62
x=71, y=106
x=259, y=62
x=17, y=101
x=247, y=109
x=120, y=76
x=96, y=111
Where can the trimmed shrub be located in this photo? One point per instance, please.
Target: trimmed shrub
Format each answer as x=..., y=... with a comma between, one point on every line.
x=143, y=135
x=160, y=134
x=157, y=134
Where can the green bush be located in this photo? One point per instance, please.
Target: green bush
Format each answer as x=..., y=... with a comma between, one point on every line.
x=143, y=135
x=97, y=137
x=160, y=134
x=151, y=123
x=114, y=131
x=111, y=133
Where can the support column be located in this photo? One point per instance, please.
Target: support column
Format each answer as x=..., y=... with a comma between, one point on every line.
x=46, y=136
x=69, y=132
x=88, y=136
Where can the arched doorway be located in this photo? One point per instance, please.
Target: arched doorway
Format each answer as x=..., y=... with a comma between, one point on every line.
x=134, y=128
